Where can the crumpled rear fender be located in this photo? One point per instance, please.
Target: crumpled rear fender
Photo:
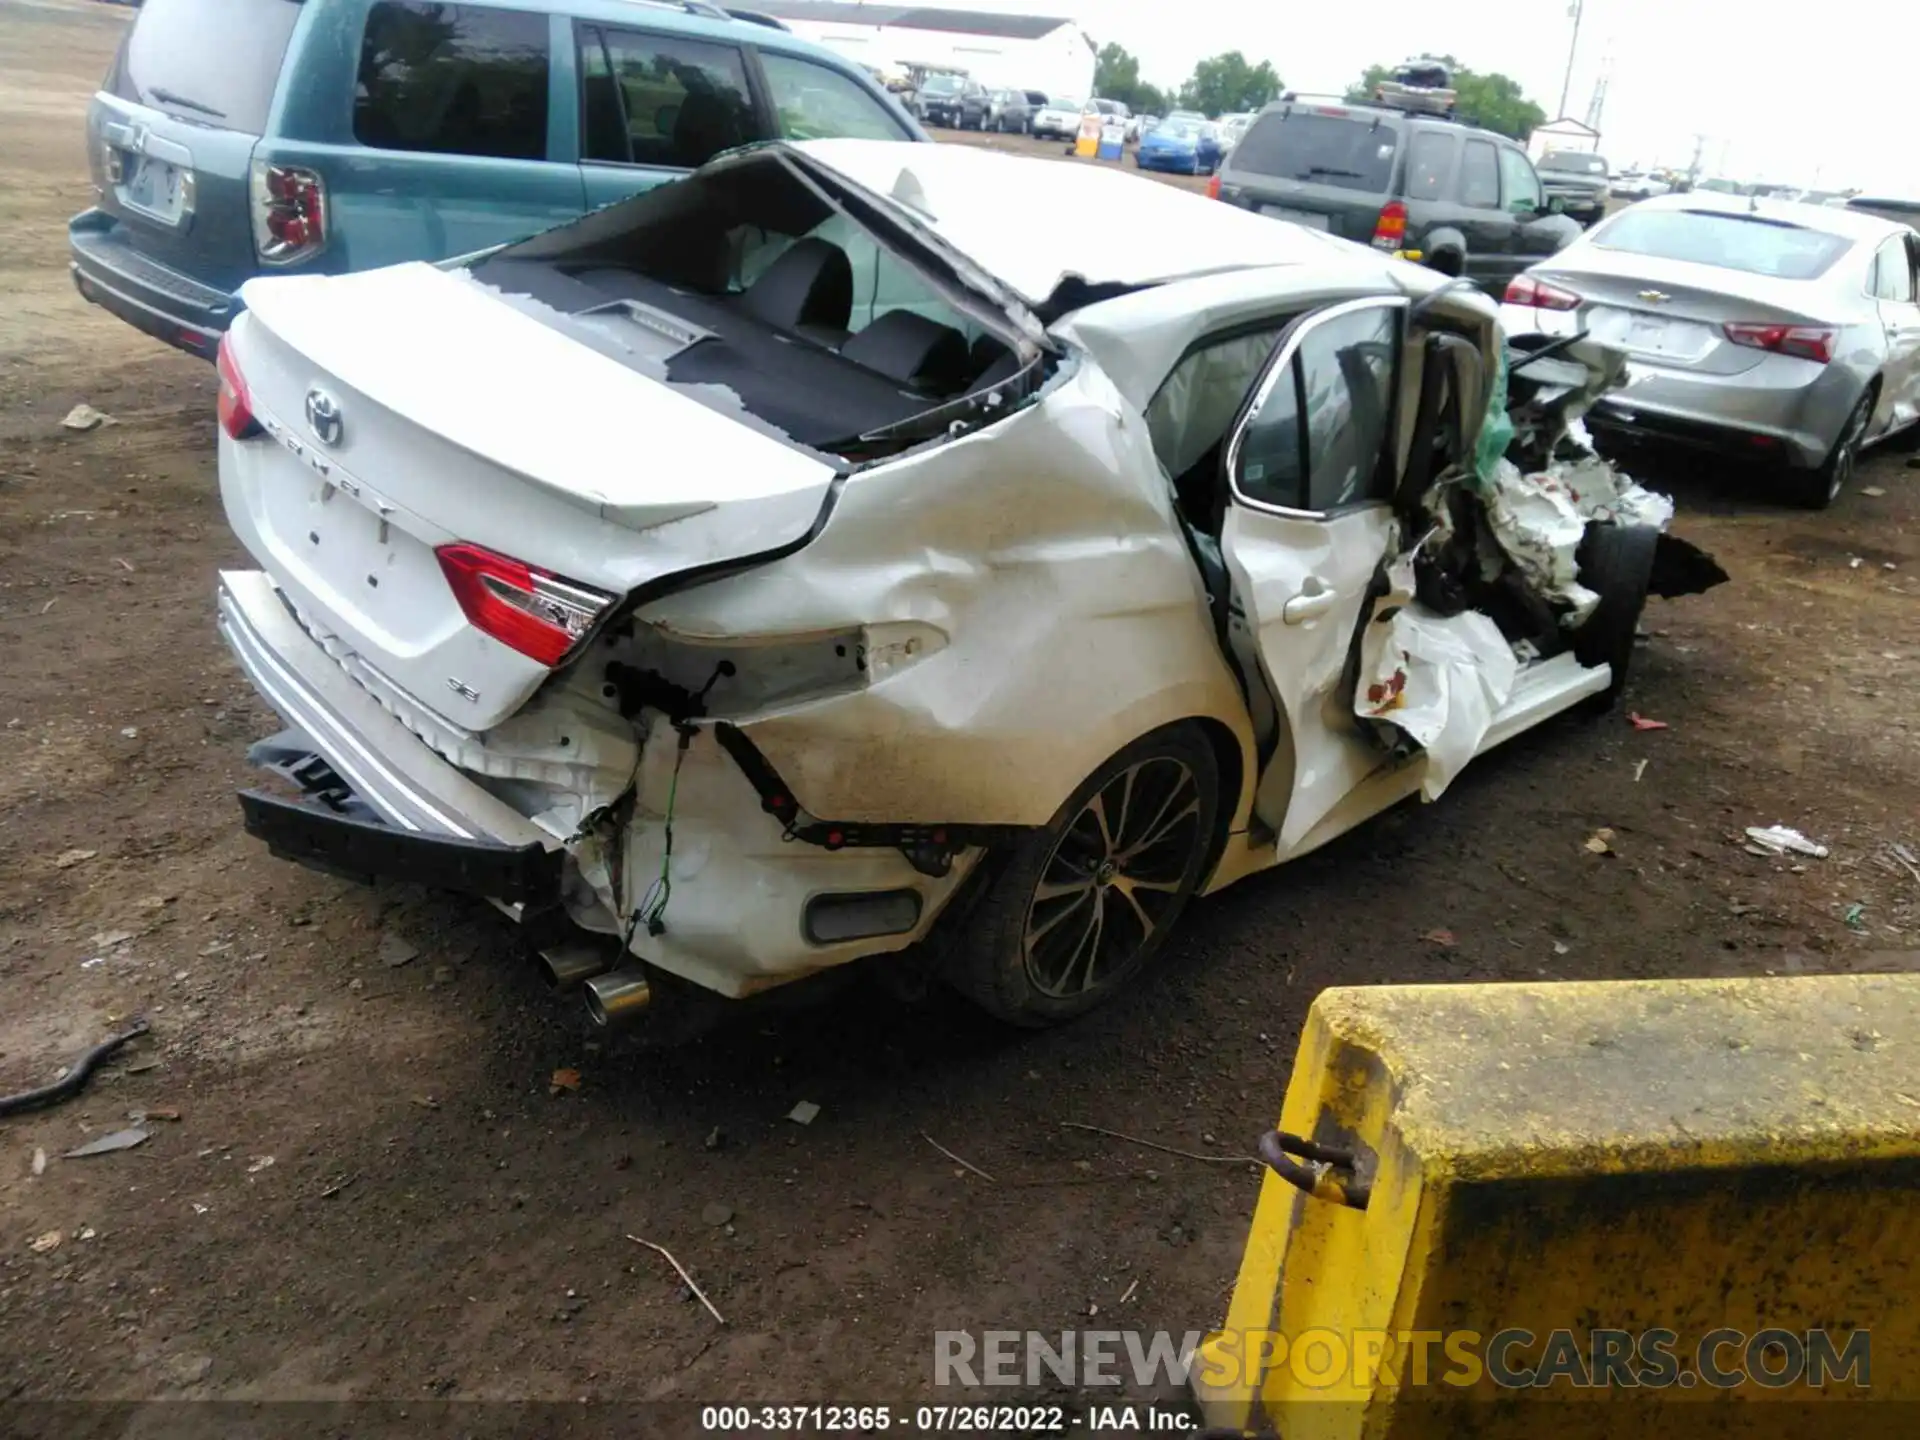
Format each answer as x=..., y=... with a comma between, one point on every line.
x=1061, y=616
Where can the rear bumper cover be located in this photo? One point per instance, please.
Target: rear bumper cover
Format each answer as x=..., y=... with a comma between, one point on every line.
x=382, y=762
x=1782, y=411
x=146, y=294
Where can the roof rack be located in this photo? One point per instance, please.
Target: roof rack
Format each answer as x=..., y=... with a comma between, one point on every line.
x=1400, y=105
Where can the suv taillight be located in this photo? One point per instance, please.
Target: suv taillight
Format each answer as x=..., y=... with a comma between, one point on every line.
x=235, y=405
x=1539, y=295
x=526, y=609
x=1213, y=186
x=1390, y=230
x=1808, y=342
x=289, y=211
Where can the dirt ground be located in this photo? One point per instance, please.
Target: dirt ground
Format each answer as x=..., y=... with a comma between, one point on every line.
x=370, y=1190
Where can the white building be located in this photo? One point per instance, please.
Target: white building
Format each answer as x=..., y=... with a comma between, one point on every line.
x=1016, y=52
x=1562, y=134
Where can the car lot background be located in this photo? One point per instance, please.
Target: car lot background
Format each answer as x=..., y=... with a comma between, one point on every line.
x=436, y=1222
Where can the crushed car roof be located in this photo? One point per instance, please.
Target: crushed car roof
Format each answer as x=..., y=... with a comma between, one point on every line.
x=1034, y=222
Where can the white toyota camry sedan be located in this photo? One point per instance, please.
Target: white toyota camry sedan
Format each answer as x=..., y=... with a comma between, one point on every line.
x=798, y=564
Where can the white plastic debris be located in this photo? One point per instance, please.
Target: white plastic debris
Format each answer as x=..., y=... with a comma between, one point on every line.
x=108, y=1144
x=1438, y=679
x=1784, y=840
x=803, y=1113
x=85, y=417
x=1539, y=526
x=1540, y=519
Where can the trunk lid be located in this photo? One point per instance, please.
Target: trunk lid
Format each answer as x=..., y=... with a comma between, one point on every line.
x=1673, y=312
x=473, y=421
x=171, y=132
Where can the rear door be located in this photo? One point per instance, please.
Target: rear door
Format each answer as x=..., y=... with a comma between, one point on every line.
x=450, y=139
x=172, y=131
x=1536, y=234
x=654, y=106
x=1483, y=217
x=1326, y=167
x=1894, y=293
x=1310, y=474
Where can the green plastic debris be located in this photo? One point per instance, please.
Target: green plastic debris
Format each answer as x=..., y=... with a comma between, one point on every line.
x=1496, y=432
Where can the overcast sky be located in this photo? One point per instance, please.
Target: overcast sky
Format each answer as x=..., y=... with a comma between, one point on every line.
x=1821, y=92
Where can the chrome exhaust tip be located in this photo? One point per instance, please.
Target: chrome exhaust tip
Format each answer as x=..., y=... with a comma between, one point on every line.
x=616, y=998
x=570, y=965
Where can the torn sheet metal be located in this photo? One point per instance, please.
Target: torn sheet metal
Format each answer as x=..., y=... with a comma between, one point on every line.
x=1440, y=680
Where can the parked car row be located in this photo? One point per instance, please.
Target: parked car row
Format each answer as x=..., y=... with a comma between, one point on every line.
x=1767, y=331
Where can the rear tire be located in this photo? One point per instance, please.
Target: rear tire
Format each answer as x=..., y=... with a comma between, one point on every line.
x=1082, y=906
x=1818, y=489
x=1616, y=563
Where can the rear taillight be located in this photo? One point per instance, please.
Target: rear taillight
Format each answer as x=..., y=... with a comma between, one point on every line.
x=1539, y=295
x=1213, y=186
x=528, y=610
x=235, y=405
x=1390, y=230
x=1808, y=342
x=289, y=211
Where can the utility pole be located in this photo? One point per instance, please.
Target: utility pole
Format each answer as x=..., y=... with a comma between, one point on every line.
x=1573, y=49
x=1693, y=170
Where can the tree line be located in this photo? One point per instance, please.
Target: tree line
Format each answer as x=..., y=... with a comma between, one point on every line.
x=1229, y=83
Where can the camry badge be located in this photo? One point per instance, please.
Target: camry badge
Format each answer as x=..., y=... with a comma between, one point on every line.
x=323, y=417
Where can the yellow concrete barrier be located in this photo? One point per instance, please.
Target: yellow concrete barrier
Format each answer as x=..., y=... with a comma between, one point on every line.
x=1673, y=1190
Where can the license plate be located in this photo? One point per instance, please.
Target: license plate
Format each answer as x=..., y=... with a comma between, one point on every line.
x=1648, y=335
x=155, y=187
x=1306, y=218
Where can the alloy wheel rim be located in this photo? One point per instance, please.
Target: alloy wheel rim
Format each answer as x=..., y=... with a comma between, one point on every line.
x=1114, y=879
x=1843, y=462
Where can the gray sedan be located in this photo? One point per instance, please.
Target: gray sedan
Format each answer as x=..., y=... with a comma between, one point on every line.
x=1767, y=330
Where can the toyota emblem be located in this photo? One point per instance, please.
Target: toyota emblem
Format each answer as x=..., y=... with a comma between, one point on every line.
x=323, y=417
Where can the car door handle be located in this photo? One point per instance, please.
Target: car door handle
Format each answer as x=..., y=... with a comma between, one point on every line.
x=1309, y=605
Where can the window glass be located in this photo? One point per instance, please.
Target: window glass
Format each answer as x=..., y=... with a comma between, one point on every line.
x=1341, y=377
x=166, y=62
x=815, y=103
x=1196, y=403
x=1271, y=468
x=1347, y=369
x=1430, y=163
x=1520, y=183
x=1893, y=272
x=1348, y=151
x=1573, y=162
x=1756, y=244
x=1480, y=176
x=679, y=102
x=453, y=80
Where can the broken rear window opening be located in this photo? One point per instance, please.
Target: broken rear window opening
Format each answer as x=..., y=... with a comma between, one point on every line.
x=1753, y=243
x=772, y=290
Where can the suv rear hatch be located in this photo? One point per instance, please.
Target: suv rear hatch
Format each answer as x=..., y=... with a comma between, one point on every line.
x=170, y=140
x=1328, y=167
x=369, y=449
